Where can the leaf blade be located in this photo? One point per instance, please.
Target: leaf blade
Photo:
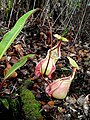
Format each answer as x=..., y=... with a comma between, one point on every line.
x=9, y=37
x=5, y=102
x=17, y=65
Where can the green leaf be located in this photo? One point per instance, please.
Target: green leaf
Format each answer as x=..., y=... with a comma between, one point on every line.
x=73, y=63
x=17, y=65
x=5, y=103
x=9, y=37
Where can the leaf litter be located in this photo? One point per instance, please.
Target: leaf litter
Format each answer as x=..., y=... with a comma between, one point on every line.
x=77, y=103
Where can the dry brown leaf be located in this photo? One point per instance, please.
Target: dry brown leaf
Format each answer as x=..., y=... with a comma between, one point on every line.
x=64, y=53
x=3, y=58
x=14, y=59
x=7, y=91
x=60, y=65
x=51, y=103
x=13, y=75
x=81, y=53
x=42, y=102
x=79, y=58
x=72, y=49
x=19, y=49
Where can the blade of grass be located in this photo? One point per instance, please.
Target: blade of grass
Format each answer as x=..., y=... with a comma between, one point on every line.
x=11, y=35
x=17, y=65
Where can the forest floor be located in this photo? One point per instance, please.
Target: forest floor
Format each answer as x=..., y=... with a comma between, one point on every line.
x=34, y=39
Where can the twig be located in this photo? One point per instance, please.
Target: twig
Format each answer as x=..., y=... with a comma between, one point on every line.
x=45, y=7
x=34, y=4
x=11, y=13
x=33, y=8
x=18, y=9
x=53, y=8
x=59, y=15
x=71, y=16
x=14, y=88
x=69, y=19
x=81, y=21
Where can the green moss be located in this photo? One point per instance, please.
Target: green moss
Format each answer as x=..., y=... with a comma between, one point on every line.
x=31, y=107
